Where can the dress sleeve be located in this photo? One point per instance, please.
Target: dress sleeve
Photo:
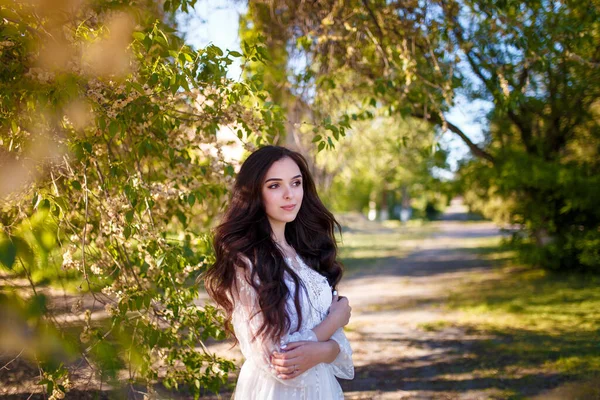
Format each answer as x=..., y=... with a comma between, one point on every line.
x=342, y=366
x=247, y=321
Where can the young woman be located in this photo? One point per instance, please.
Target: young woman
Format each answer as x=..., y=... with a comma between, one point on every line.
x=275, y=276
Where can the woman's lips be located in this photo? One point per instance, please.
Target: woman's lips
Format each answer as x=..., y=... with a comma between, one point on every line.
x=289, y=208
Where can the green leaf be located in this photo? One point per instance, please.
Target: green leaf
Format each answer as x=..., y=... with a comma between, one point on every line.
x=129, y=215
x=8, y=252
x=214, y=50
x=37, y=305
x=139, y=36
x=235, y=53
x=47, y=238
x=24, y=251
x=321, y=146
x=139, y=303
x=153, y=338
x=137, y=87
x=113, y=128
x=161, y=40
x=181, y=217
x=191, y=199
x=317, y=139
x=229, y=170
x=334, y=130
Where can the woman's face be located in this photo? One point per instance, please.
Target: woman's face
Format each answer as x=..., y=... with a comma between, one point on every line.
x=281, y=188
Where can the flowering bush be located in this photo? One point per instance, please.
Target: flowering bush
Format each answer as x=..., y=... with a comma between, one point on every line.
x=111, y=176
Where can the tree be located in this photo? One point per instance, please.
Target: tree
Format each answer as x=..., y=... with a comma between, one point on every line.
x=111, y=176
x=536, y=62
x=382, y=158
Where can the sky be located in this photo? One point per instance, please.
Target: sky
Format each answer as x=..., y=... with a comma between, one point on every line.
x=217, y=22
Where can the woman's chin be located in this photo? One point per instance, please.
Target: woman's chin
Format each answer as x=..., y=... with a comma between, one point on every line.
x=287, y=218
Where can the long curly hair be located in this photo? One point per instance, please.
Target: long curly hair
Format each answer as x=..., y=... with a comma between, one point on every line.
x=245, y=232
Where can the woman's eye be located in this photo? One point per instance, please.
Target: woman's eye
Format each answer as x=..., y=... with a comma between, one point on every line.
x=276, y=185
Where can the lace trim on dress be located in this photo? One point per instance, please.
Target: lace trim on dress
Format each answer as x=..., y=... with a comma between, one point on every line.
x=316, y=285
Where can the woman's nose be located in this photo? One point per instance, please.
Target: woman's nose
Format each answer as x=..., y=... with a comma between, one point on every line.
x=287, y=194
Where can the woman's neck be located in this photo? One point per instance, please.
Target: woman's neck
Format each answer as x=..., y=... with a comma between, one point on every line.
x=279, y=238
x=278, y=234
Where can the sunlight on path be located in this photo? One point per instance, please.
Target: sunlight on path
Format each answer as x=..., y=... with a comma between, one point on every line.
x=394, y=357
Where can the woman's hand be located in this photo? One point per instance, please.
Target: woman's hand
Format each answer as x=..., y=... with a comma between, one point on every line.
x=299, y=357
x=340, y=310
x=338, y=317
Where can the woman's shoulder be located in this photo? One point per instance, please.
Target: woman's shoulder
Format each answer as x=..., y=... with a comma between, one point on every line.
x=243, y=261
x=244, y=268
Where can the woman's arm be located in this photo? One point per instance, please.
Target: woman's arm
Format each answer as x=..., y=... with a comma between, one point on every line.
x=299, y=357
x=332, y=347
x=338, y=317
x=342, y=366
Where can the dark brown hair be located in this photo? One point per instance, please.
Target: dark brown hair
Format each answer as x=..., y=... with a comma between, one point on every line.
x=245, y=231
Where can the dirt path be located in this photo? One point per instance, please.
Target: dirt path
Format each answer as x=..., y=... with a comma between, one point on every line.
x=395, y=358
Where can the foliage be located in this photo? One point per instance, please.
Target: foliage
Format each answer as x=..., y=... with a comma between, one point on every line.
x=111, y=178
x=566, y=226
x=535, y=62
x=380, y=157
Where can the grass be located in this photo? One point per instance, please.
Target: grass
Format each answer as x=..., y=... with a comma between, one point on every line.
x=531, y=324
x=527, y=332
x=364, y=251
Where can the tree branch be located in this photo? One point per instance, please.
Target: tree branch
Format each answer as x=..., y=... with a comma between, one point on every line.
x=439, y=119
x=477, y=151
x=5, y=366
x=374, y=18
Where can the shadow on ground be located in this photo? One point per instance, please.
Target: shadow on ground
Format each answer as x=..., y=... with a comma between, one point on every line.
x=506, y=362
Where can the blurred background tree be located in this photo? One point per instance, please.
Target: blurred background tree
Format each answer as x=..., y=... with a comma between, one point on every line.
x=535, y=63
x=384, y=166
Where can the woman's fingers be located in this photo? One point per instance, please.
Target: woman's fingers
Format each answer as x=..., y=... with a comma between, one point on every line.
x=292, y=345
x=291, y=354
x=284, y=362
x=289, y=375
x=285, y=370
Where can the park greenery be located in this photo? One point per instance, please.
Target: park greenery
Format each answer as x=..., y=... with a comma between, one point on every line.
x=112, y=174
x=536, y=63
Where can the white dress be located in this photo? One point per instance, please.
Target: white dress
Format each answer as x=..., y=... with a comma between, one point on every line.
x=257, y=380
